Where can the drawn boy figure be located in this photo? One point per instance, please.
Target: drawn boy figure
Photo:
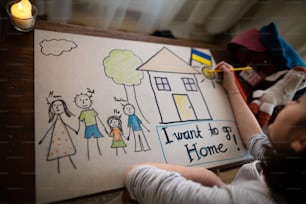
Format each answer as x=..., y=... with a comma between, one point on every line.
x=89, y=115
x=134, y=123
x=61, y=144
x=115, y=125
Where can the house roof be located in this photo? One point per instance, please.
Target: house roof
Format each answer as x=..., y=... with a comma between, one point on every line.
x=166, y=61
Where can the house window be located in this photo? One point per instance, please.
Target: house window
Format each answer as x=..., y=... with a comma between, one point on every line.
x=162, y=84
x=189, y=84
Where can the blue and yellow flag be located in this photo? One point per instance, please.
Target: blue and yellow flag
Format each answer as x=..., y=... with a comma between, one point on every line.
x=201, y=57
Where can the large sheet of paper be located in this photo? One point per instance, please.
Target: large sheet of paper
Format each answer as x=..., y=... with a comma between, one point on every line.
x=102, y=104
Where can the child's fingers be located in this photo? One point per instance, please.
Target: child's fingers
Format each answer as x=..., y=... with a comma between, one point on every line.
x=224, y=67
x=220, y=75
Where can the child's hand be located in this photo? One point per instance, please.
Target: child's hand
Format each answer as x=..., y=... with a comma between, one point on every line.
x=126, y=137
x=227, y=76
x=106, y=131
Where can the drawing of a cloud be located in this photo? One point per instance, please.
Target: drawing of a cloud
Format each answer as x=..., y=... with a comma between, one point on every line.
x=56, y=47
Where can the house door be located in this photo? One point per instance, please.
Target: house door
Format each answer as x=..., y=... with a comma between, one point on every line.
x=184, y=107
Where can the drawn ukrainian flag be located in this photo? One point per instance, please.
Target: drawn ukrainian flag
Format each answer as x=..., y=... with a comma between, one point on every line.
x=201, y=57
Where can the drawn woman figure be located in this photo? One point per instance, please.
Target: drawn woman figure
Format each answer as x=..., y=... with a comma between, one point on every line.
x=61, y=144
x=89, y=115
x=135, y=124
x=115, y=125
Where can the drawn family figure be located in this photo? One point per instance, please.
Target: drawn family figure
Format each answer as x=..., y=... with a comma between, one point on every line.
x=115, y=124
x=135, y=124
x=61, y=144
x=89, y=116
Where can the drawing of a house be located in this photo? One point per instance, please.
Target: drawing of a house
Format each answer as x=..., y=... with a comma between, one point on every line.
x=175, y=87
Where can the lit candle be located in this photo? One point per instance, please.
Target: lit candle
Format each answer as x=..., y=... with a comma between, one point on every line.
x=22, y=15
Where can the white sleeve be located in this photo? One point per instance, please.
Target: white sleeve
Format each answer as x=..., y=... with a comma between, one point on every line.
x=148, y=184
x=256, y=145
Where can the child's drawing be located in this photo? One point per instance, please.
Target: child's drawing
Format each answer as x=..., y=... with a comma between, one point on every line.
x=56, y=47
x=136, y=125
x=116, y=132
x=209, y=75
x=175, y=88
x=149, y=92
x=204, y=62
x=89, y=115
x=61, y=144
x=201, y=57
x=121, y=66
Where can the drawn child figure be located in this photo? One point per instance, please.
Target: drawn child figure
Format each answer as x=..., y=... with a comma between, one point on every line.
x=134, y=123
x=115, y=125
x=89, y=115
x=61, y=144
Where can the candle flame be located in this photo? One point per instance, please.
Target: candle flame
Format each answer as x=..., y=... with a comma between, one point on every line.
x=22, y=9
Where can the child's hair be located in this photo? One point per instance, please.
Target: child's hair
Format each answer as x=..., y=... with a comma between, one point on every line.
x=285, y=170
x=285, y=175
x=89, y=94
x=51, y=112
x=115, y=117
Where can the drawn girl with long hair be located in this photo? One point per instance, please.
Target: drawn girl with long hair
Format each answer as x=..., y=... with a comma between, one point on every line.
x=115, y=125
x=61, y=144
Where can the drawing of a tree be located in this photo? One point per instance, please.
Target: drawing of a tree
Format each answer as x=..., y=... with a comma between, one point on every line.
x=121, y=66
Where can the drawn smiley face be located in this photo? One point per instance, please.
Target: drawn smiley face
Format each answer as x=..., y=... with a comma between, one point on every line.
x=83, y=101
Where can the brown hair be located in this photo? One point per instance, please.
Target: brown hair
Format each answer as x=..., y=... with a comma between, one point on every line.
x=285, y=174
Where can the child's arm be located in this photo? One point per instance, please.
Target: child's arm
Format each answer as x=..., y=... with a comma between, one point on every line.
x=128, y=137
x=104, y=127
x=79, y=125
x=75, y=131
x=44, y=137
x=147, y=129
x=246, y=121
x=197, y=174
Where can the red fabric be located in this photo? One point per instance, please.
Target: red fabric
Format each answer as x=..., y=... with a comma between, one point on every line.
x=248, y=50
x=249, y=39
